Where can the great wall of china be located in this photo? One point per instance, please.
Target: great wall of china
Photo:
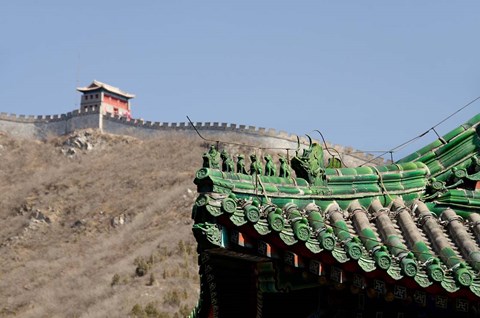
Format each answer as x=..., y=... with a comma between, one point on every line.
x=43, y=126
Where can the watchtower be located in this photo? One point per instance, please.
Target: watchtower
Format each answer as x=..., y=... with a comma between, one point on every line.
x=105, y=97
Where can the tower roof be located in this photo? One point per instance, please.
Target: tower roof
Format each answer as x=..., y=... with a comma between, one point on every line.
x=97, y=85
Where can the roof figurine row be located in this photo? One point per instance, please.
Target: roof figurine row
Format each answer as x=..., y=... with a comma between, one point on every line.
x=211, y=160
x=308, y=165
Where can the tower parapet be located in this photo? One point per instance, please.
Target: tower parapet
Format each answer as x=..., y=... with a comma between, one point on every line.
x=107, y=98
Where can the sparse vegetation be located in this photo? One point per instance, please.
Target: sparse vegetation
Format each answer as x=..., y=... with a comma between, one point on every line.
x=137, y=311
x=115, y=280
x=172, y=298
x=152, y=280
x=67, y=266
x=184, y=311
x=142, y=266
x=150, y=311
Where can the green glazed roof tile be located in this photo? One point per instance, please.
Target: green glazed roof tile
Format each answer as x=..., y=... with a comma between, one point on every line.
x=416, y=219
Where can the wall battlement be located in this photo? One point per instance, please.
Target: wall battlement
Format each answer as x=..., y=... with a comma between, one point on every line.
x=202, y=126
x=42, y=126
x=46, y=118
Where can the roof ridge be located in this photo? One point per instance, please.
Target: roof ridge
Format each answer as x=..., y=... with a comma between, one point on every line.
x=97, y=84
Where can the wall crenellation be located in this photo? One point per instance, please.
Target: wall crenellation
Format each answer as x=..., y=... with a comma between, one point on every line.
x=201, y=126
x=29, y=126
x=46, y=118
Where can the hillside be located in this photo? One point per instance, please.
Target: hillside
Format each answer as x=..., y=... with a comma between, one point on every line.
x=84, y=216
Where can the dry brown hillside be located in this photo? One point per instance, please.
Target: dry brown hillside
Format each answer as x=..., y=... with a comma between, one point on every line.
x=84, y=216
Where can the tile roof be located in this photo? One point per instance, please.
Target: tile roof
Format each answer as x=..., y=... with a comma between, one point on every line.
x=415, y=220
x=404, y=241
x=97, y=84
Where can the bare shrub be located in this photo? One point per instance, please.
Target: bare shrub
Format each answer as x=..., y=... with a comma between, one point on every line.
x=115, y=280
x=172, y=298
x=151, y=280
x=142, y=266
x=137, y=312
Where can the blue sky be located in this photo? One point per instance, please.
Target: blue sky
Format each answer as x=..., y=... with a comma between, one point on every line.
x=368, y=74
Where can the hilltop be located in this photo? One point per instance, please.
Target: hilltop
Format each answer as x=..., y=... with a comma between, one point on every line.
x=83, y=216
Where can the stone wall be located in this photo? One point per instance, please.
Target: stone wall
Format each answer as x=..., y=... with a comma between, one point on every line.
x=259, y=137
x=40, y=127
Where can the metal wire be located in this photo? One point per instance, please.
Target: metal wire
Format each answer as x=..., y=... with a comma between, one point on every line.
x=382, y=153
x=236, y=143
x=403, y=145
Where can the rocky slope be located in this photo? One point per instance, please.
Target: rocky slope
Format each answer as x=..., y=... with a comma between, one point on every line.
x=95, y=225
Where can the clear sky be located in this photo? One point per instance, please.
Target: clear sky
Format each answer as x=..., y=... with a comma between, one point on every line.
x=368, y=74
